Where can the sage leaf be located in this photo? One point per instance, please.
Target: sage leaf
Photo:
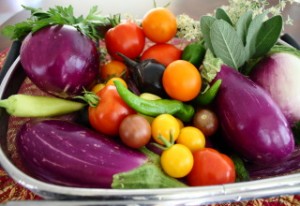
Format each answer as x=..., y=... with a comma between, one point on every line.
x=268, y=35
x=205, y=25
x=221, y=14
x=227, y=44
x=254, y=27
x=242, y=25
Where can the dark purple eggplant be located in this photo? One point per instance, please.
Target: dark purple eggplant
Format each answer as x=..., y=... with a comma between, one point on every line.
x=60, y=60
x=147, y=75
x=65, y=153
x=252, y=122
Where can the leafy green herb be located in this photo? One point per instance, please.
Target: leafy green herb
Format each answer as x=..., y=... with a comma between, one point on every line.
x=243, y=24
x=221, y=14
x=226, y=44
x=57, y=16
x=268, y=35
x=253, y=30
x=211, y=66
x=205, y=26
x=250, y=38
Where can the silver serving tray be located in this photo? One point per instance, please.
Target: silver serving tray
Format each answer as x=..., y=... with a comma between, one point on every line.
x=275, y=186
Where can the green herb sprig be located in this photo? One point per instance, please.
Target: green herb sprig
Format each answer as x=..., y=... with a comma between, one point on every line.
x=57, y=16
x=250, y=38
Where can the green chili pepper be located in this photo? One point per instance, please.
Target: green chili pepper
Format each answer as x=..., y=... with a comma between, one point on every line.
x=208, y=96
x=154, y=108
x=194, y=53
x=22, y=105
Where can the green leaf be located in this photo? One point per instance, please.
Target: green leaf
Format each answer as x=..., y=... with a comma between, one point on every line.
x=284, y=49
x=241, y=171
x=242, y=25
x=268, y=35
x=205, y=26
x=227, y=44
x=58, y=15
x=221, y=14
x=211, y=66
x=254, y=27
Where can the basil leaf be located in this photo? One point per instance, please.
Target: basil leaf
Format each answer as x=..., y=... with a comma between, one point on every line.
x=227, y=44
x=205, y=25
x=254, y=27
x=268, y=35
x=221, y=14
x=242, y=25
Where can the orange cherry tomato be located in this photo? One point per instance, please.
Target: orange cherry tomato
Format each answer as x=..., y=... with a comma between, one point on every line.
x=182, y=80
x=163, y=53
x=159, y=25
x=113, y=68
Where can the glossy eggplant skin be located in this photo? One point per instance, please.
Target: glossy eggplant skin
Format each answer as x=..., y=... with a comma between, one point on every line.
x=251, y=121
x=64, y=153
x=60, y=60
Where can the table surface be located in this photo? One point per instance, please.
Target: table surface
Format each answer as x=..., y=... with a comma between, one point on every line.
x=11, y=12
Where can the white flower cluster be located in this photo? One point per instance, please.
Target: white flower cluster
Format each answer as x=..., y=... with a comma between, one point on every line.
x=189, y=29
x=238, y=7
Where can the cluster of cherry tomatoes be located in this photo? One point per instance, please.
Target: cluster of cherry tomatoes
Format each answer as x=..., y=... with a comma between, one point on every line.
x=184, y=152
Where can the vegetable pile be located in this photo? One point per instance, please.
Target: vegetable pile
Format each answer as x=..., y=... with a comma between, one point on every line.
x=163, y=110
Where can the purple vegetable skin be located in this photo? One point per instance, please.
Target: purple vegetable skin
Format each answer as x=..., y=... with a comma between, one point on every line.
x=60, y=60
x=252, y=122
x=65, y=153
x=279, y=74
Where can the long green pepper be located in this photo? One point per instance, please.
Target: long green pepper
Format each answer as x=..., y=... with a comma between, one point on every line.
x=22, y=105
x=154, y=108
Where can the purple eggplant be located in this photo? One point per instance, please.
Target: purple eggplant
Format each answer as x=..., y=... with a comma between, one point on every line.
x=65, y=153
x=279, y=74
x=252, y=122
x=60, y=60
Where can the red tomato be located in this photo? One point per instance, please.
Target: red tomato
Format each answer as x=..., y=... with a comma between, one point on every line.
x=127, y=38
x=211, y=168
x=107, y=116
x=164, y=53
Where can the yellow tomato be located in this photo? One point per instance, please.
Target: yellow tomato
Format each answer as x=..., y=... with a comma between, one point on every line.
x=177, y=161
x=97, y=87
x=191, y=137
x=111, y=81
x=165, y=125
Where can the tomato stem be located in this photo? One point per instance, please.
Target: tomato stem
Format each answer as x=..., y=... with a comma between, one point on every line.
x=89, y=97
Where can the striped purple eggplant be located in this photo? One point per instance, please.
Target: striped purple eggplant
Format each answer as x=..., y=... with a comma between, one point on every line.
x=64, y=153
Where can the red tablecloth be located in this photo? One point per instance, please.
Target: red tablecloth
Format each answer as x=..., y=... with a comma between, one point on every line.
x=11, y=191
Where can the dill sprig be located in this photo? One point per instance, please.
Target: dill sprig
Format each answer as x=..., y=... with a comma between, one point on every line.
x=58, y=16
